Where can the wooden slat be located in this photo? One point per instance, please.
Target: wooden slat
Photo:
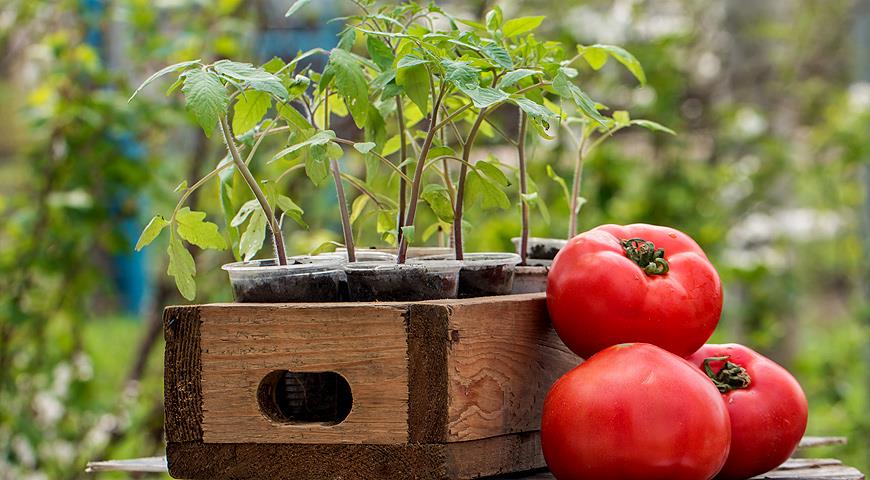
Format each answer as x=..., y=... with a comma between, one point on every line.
x=241, y=344
x=810, y=442
x=427, y=373
x=503, y=358
x=182, y=386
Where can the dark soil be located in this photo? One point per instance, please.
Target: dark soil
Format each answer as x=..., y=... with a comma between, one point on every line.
x=312, y=287
x=486, y=281
x=541, y=251
x=398, y=286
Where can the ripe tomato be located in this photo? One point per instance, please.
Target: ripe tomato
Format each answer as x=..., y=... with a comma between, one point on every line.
x=767, y=407
x=634, y=283
x=634, y=411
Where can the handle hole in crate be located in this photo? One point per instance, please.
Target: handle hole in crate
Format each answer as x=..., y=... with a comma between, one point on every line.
x=305, y=397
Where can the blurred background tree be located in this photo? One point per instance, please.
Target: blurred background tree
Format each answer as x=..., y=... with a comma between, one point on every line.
x=768, y=173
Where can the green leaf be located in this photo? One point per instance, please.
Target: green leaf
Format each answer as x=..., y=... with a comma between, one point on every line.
x=151, y=231
x=595, y=57
x=365, y=147
x=431, y=230
x=317, y=164
x=415, y=81
x=439, y=201
x=347, y=40
x=653, y=126
x=322, y=137
x=499, y=55
x=484, y=97
x=408, y=232
x=410, y=60
x=380, y=52
x=511, y=78
x=205, y=97
x=535, y=111
x=392, y=146
x=357, y=208
x=489, y=193
x=622, y=56
x=181, y=267
x=493, y=172
x=256, y=78
x=193, y=228
x=563, y=86
x=350, y=83
x=295, y=7
x=292, y=210
x=293, y=117
x=461, y=74
x=254, y=236
x=494, y=19
x=249, y=110
x=554, y=176
x=327, y=246
x=244, y=212
x=161, y=72
x=621, y=118
x=519, y=26
x=274, y=65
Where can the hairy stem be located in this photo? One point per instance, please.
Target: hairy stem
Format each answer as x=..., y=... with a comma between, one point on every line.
x=575, y=188
x=277, y=238
x=339, y=190
x=524, y=190
x=418, y=173
x=460, y=187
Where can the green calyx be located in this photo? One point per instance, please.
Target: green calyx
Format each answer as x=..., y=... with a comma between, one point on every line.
x=645, y=254
x=730, y=377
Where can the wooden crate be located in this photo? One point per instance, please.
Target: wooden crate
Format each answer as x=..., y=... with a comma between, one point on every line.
x=441, y=389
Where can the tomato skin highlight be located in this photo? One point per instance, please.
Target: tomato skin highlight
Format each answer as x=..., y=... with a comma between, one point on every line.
x=598, y=297
x=635, y=411
x=768, y=418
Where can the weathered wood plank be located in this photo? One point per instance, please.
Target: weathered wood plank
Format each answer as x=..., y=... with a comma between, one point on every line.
x=182, y=388
x=504, y=356
x=241, y=344
x=427, y=373
x=495, y=456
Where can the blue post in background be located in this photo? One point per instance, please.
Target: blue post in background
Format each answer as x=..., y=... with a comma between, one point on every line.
x=130, y=268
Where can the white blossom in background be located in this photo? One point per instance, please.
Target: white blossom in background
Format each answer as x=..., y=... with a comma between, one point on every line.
x=859, y=96
x=749, y=123
x=49, y=409
x=23, y=451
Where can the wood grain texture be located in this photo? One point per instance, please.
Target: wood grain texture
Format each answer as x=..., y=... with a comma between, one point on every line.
x=495, y=456
x=182, y=389
x=428, y=343
x=366, y=344
x=504, y=356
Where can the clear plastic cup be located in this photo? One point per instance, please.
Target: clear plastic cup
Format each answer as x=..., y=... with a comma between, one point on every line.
x=530, y=279
x=484, y=274
x=304, y=279
x=393, y=282
x=540, y=251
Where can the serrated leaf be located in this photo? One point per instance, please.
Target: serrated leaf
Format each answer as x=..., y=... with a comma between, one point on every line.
x=654, y=126
x=256, y=78
x=193, y=227
x=410, y=60
x=321, y=137
x=347, y=40
x=294, y=118
x=181, y=267
x=205, y=97
x=249, y=110
x=274, y=65
x=317, y=164
x=151, y=231
x=295, y=7
x=622, y=56
x=350, y=82
x=392, y=146
x=160, y=73
x=563, y=86
x=493, y=172
x=415, y=81
x=595, y=57
x=364, y=147
x=438, y=199
x=441, y=152
x=493, y=19
x=499, y=55
x=380, y=52
x=511, y=78
x=519, y=26
x=292, y=210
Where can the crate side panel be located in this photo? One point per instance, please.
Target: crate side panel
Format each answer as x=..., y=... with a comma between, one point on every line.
x=366, y=344
x=182, y=397
x=504, y=355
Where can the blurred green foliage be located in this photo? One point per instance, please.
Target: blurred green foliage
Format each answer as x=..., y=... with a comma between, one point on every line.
x=766, y=173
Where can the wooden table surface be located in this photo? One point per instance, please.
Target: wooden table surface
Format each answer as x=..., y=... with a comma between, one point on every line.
x=794, y=469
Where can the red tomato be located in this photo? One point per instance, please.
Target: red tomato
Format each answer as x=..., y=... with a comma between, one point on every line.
x=767, y=407
x=634, y=283
x=635, y=411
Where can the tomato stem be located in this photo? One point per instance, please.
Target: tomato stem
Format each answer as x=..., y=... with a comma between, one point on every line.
x=730, y=377
x=645, y=254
